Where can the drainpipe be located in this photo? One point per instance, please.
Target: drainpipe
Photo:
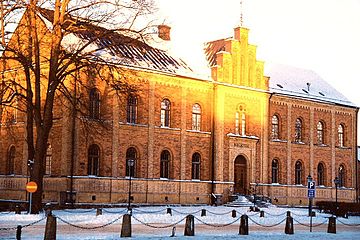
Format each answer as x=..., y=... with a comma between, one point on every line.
x=212, y=152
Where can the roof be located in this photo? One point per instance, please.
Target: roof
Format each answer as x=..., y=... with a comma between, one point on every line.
x=303, y=83
x=116, y=48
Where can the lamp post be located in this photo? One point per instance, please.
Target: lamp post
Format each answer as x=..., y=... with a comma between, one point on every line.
x=309, y=179
x=337, y=182
x=130, y=164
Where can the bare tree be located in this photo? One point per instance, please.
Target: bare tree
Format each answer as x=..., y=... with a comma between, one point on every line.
x=53, y=41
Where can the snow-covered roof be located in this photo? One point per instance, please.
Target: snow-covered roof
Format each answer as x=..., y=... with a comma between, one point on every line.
x=302, y=83
x=116, y=48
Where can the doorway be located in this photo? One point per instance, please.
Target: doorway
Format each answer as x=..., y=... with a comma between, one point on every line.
x=240, y=175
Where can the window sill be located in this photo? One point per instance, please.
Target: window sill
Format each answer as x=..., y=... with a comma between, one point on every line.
x=321, y=145
x=278, y=140
x=299, y=143
x=343, y=147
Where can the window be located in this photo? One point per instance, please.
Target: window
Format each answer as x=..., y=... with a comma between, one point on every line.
x=275, y=171
x=298, y=130
x=93, y=160
x=320, y=133
x=196, y=117
x=341, y=135
x=341, y=176
x=94, y=104
x=195, y=168
x=243, y=123
x=237, y=122
x=275, y=127
x=10, y=161
x=165, y=113
x=48, y=160
x=165, y=164
x=131, y=109
x=131, y=154
x=321, y=174
x=298, y=173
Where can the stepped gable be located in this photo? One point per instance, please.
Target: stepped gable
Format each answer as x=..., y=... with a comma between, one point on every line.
x=116, y=48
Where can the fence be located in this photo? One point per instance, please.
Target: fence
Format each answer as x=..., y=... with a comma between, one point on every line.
x=242, y=219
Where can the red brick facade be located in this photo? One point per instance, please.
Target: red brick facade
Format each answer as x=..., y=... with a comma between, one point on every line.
x=234, y=141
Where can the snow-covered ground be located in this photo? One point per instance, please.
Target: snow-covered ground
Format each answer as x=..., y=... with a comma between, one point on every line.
x=155, y=223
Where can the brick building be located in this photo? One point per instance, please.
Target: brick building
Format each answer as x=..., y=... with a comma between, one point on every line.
x=188, y=137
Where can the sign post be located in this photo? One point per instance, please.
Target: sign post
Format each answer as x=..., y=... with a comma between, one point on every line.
x=31, y=187
x=311, y=195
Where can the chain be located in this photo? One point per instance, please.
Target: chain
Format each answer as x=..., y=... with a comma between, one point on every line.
x=219, y=213
x=153, y=226
x=273, y=225
x=77, y=211
x=186, y=213
x=250, y=215
x=30, y=224
x=218, y=225
x=23, y=226
x=275, y=215
x=116, y=212
x=308, y=225
x=158, y=211
x=299, y=215
x=83, y=227
x=348, y=224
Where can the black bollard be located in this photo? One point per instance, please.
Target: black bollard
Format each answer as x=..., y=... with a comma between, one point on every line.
x=189, y=226
x=203, y=212
x=288, y=214
x=168, y=211
x=18, y=232
x=17, y=209
x=98, y=211
x=244, y=225
x=50, y=229
x=233, y=213
x=332, y=225
x=262, y=214
x=289, y=226
x=126, y=226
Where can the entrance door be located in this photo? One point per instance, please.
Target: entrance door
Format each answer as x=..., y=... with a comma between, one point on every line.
x=240, y=176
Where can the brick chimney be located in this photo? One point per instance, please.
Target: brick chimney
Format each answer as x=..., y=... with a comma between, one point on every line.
x=164, y=32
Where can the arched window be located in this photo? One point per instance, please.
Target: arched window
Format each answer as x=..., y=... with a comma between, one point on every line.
x=195, y=166
x=320, y=133
x=341, y=135
x=298, y=130
x=10, y=161
x=94, y=104
x=275, y=171
x=131, y=109
x=243, y=124
x=165, y=113
x=196, y=117
x=93, y=160
x=48, y=160
x=321, y=174
x=131, y=156
x=165, y=164
x=342, y=175
x=275, y=127
x=298, y=173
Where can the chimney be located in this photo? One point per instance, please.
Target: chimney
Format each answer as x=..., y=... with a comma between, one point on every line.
x=164, y=32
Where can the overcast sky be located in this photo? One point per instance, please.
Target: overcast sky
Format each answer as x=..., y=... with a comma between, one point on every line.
x=322, y=35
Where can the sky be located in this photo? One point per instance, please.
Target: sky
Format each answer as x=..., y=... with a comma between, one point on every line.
x=321, y=35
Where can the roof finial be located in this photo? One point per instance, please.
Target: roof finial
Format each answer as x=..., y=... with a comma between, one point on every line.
x=241, y=13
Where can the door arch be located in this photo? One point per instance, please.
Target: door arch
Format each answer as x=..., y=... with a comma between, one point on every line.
x=240, y=175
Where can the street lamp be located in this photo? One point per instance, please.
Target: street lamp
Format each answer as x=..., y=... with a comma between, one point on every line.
x=309, y=179
x=337, y=182
x=130, y=164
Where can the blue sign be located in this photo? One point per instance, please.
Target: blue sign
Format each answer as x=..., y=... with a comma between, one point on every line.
x=311, y=189
x=311, y=193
